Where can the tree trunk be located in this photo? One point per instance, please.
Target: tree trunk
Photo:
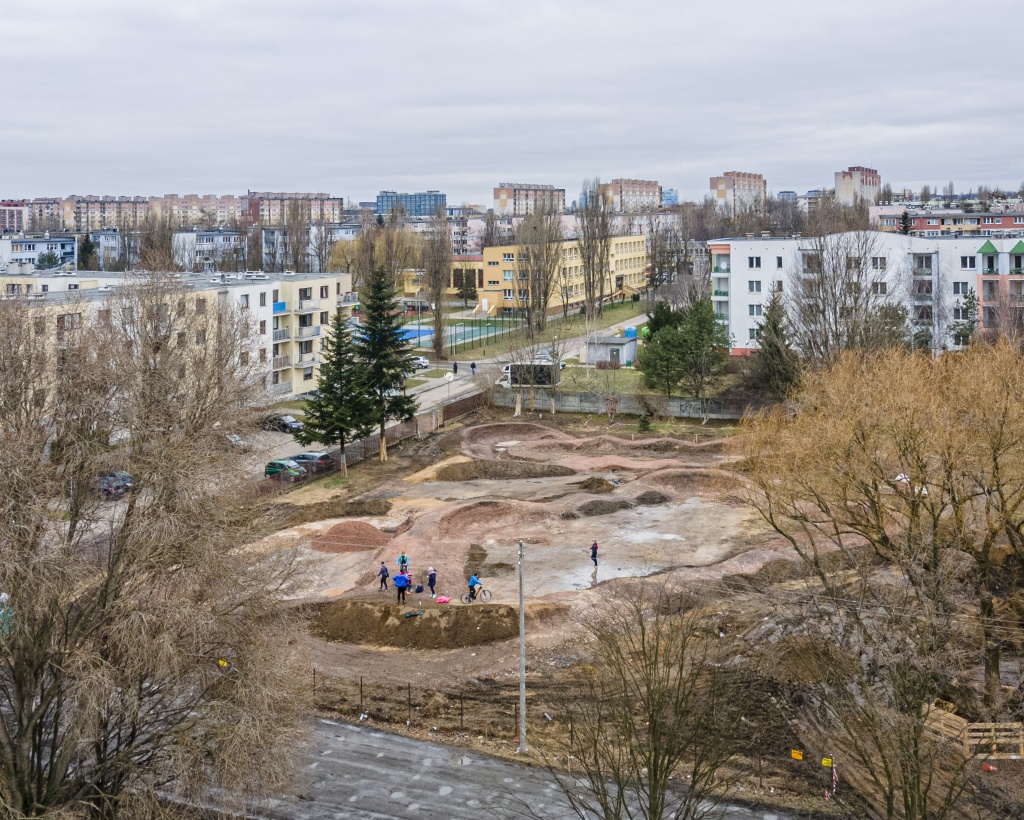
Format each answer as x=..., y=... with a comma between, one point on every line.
x=383, y=441
x=992, y=654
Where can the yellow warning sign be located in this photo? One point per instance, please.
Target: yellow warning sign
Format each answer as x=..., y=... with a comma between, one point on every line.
x=796, y=755
x=826, y=761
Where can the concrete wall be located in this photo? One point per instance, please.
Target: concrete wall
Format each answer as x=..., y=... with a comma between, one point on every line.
x=566, y=402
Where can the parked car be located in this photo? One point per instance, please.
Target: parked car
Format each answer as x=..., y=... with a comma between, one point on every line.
x=283, y=424
x=316, y=461
x=284, y=469
x=421, y=362
x=113, y=485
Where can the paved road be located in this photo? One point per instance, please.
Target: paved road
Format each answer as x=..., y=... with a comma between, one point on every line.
x=358, y=773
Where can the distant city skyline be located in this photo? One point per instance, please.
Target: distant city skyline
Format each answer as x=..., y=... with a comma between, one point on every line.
x=351, y=99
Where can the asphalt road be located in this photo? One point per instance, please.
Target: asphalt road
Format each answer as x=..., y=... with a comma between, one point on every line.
x=359, y=773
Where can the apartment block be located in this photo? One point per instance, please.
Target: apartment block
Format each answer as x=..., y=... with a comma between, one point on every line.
x=857, y=184
x=21, y=252
x=14, y=216
x=624, y=195
x=271, y=208
x=290, y=314
x=425, y=203
x=930, y=276
x=519, y=199
x=736, y=190
x=669, y=197
x=948, y=221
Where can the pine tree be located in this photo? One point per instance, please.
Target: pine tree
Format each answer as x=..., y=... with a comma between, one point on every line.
x=384, y=354
x=775, y=366
x=341, y=410
x=963, y=331
x=905, y=223
x=705, y=350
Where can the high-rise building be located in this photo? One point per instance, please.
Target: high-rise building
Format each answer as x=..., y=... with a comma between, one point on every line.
x=738, y=190
x=632, y=194
x=517, y=199
x=669, y=197
x=425, y=203
x=857, y=184
x=13, y=215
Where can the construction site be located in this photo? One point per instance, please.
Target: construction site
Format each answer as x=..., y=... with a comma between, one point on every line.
x=665, y=508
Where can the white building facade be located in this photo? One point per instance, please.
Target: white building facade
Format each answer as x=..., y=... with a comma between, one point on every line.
x=930, y=276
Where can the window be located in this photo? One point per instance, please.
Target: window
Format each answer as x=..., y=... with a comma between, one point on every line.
x=754, y=286
x=39, y=324
x=959, y=314
x=507, y=293
x=778, y=262
x=263, y=354
x=492, y=264
x=325, y=317
x=305, y=293
x=990, y=317
x=754, y=310
x=755, y=334
x=244, y=300
x=243, y=358
x=1018, y=220
x=200, y=337
x=200, y=306
x=305, y=320
x=325, y=291
x=263, y=327
x=879, y=288
x=777, y=288
x=923, y=313
x=961, y=288
x=493, y=283
x=754, y=261
x=73, y=287
x=878, y=263
x=46, y=288
x=923, y=262
x=506, y=275
x=508, y=257
x=968, y=262
x=307, y=374
x=306, y=347
x=990, y=263
x=988, y=220
x=933, y=222
x=263, y=299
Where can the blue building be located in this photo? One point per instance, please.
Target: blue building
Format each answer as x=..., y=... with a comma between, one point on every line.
x=424, y=203
x=669, y=196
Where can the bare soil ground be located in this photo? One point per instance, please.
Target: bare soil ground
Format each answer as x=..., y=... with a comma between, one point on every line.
x=460, y=502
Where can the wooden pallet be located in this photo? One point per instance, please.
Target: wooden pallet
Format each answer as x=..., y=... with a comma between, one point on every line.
x=998, y=741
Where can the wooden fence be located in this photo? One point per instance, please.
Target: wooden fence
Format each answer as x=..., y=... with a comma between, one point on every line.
x=998, y=741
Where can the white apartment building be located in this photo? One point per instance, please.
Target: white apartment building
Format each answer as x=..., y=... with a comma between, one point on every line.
x=522, y=199
x=930, y=276
x=209, y=250
x=290, y=313
x=632, y=194
x=736, y=190
x=20, y=251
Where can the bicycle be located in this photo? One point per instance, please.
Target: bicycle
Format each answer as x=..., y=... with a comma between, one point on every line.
x=483, y=595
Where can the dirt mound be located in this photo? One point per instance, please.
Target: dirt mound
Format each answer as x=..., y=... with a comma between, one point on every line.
x=350, y=536
x=449, y=626
x=601, y=506
x=651, y=498
x=596, y=485
x=696, y=481
x=500, y=470
x=294, y=514
x=369, y=506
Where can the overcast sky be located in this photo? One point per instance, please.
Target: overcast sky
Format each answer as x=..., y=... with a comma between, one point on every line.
x=220, y=96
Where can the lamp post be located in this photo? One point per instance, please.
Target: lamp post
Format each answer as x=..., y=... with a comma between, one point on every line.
x=522, y=659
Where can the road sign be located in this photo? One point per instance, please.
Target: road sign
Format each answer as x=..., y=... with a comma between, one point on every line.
x=796, y=754
x=826, y=761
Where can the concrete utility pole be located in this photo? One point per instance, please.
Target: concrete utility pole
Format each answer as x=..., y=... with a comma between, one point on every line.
x=522, y=658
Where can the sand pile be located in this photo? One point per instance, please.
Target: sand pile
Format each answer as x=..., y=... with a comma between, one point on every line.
x=500, y=470
x=350, y=536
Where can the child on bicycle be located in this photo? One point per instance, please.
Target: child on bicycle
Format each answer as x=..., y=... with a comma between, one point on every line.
x=474, y=584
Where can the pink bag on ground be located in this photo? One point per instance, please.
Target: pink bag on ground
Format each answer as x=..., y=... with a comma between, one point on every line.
x=442, y=599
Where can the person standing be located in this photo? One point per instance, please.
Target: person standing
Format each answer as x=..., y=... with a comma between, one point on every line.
x=401, y=584
x=383, y=573
x=593, y=553
x=403, y=562
x=455, y=368
x=472, y=369
x=431, y=581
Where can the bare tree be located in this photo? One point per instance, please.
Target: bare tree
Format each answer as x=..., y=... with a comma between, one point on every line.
x=437, y=275
x=843, y=300
x=538, y=264
x=658, y=704
x=917, y=460
x=594, y=219
x=295, y=229
x=149, y=643
x=491, y=237
x=321, y=243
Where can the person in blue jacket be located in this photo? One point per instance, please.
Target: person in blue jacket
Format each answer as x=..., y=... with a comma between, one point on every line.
x=474, y=584
x=401, y=582
x=383, y=573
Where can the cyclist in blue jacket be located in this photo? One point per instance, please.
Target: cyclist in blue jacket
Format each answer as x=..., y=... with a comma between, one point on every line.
x=474, y=584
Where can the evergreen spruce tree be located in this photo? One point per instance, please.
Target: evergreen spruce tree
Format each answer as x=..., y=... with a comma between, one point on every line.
x=384, y=354
x=342, y=409
x=905, y=223
x=775, y=366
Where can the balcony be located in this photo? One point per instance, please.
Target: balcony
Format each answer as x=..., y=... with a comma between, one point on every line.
x=307, y=332
x=720, y=269
x=1017, y=271
x=306, y=359
x=719, y=293
x=281, y=362
x=280, y=307
x=280, y=388
x=308, y=305
x=282, y=334
x=348, y=299
x=922, y=297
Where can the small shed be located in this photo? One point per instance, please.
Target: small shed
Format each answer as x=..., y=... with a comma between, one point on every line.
x=611, y=349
